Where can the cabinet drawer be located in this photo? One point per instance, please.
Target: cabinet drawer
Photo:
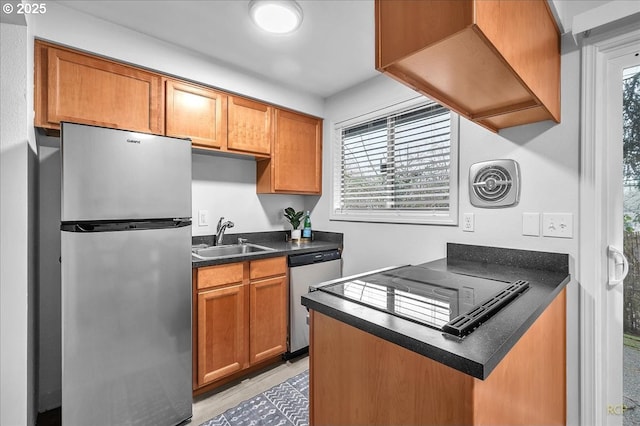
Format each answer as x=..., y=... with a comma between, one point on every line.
x=268, y=267
x=214, y=276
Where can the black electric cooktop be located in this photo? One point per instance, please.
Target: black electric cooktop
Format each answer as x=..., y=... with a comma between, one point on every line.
x=454, y=303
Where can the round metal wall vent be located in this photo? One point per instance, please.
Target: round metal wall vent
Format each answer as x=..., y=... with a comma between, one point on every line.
x=494, y=183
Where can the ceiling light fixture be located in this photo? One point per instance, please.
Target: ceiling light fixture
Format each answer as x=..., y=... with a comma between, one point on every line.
x=276, y=16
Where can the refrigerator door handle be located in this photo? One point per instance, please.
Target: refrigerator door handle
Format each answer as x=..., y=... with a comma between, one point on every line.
x=125, y=226
x=182, y=222
x=83, y=228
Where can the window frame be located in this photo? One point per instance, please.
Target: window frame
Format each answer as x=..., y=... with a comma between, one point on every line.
x=449, y=218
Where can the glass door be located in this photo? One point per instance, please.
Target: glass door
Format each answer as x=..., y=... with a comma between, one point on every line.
x=622, y=297
x=610, y=162
x=631, y=244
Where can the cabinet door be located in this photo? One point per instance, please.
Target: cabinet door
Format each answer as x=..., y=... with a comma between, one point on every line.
x=297, y=153
x=249, y=127
x=196, y=112
x=296, y=159
x=267, y=318
x=221, y=333
x=91, y=90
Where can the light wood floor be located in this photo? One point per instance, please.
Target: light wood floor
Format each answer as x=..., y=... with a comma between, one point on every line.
x=218, y=401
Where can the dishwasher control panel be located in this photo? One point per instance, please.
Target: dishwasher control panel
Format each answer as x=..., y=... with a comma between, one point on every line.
x=315, y=257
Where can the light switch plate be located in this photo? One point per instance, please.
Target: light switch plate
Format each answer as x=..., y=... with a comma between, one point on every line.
x=203, y=217
x=559, y=225
x=531, y=224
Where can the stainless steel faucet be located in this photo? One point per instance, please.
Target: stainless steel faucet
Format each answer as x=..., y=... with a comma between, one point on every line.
x=221, y=228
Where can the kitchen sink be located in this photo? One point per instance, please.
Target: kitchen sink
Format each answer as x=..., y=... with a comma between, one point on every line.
x=230, y=250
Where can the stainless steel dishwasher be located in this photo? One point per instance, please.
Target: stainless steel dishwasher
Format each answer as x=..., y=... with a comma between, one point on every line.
x=305, y=270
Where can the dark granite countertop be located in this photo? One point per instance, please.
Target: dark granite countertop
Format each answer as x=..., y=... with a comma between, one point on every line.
x=275, y=240
x=480, y=352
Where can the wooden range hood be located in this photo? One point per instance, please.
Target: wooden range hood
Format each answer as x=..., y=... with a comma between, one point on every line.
x=495, y=62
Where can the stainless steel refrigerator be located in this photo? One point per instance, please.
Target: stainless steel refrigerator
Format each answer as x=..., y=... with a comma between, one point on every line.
x=126, y=277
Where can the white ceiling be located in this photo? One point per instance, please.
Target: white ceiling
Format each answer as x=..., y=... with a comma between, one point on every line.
x=332, y=50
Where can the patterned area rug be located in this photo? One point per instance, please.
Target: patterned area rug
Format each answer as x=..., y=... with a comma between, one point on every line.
x=286, y=404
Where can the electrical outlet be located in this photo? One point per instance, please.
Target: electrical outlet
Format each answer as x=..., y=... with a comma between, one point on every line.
x=559, y=225
x=468, y=222
x=203, y=217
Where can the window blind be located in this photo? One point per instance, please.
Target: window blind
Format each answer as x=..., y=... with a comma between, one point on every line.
x=401, y=162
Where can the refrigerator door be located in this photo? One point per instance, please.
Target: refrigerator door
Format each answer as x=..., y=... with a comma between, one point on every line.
x=112, y=174
x=126, y=327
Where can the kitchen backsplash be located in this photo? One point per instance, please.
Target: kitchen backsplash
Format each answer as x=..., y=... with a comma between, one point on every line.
x=226, y=187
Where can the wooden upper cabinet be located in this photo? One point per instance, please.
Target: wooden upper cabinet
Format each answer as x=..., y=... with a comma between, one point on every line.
x=249, y=126
x=496, y=62
x=296, y=159
x=79, y=87
x=72, y=86
x=196, y=112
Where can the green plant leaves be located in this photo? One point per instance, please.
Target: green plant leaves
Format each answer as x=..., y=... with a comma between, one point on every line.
x=293, y=216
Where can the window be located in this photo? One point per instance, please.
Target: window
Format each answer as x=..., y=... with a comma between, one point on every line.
x=397, y=165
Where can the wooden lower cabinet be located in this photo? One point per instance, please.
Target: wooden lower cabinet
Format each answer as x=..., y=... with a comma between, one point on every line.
x=222, y=348
x=357, y=378
x=240, y=318
x=267, y=318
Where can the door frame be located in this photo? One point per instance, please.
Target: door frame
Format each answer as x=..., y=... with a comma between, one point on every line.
x=597, y=53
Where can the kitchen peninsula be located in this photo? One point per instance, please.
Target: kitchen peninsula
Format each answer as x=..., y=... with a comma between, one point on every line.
x=369, y=366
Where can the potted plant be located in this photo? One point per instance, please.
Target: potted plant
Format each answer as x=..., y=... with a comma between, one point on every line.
x=294, y=218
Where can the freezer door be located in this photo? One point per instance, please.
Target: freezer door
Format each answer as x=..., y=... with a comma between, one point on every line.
x=126, y=327
x=112, y=174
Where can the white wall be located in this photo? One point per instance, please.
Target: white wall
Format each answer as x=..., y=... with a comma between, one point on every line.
x=540, y=149
x=548, y=155
x=567, y=9
x=227, y=187
x=223, y=186
x=50, y=333
x=594, y=13
x=17, y=295
x=81, y=31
